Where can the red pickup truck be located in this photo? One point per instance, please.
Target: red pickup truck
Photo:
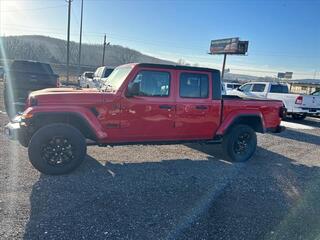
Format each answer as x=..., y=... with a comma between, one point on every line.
x=141, y=104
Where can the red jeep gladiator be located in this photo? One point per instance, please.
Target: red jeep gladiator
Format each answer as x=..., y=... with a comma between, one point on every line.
x=141, y=104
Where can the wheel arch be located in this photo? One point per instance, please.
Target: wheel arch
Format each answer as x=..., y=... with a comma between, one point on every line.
x=76, y=120
x=255, y=121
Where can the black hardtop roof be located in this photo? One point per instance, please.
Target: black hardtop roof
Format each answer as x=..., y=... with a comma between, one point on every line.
x=177, y=67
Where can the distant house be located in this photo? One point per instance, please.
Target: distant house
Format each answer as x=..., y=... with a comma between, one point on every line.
x=304, y=86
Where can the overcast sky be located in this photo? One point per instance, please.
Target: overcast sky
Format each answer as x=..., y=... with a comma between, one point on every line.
x=283, y=35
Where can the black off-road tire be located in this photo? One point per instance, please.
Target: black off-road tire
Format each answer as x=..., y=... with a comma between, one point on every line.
x=233, y=138
x=299, y=116
x=70, y=140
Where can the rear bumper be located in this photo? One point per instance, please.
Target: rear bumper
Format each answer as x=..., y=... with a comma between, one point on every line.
x=277, y=129
x=303, y=110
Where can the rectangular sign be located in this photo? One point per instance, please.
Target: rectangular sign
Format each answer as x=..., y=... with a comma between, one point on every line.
x=281, y=75
x=288, y=75
x=228, y=46
x=221, y=46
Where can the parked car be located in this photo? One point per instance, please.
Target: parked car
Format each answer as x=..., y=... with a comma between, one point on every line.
x=298, y=106
x=230, y=86
x=316, y=93
x=86, y=80
x=23, y=77
x=101, y=74
x=143, y=104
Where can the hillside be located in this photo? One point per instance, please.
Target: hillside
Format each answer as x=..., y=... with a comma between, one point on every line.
x=53, y=50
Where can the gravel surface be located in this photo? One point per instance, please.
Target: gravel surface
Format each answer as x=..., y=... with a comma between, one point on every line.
x=167, y=192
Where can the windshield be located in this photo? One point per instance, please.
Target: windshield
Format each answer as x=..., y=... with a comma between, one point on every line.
x=116, y=78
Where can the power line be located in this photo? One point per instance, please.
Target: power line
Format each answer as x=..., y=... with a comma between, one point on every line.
x=157, y=43
x=34, y=9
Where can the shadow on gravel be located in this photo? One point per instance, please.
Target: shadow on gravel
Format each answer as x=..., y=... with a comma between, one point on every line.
x=299, y=136
x=123, y=201
x=312, y=122
x=269, y=197
x=272, y=197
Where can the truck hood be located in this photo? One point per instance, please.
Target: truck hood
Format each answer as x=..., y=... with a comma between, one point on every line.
x=66, y=96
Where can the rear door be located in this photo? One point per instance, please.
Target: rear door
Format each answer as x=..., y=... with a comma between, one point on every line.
x=198, y=114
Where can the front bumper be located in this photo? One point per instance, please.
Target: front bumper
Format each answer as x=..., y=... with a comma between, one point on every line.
x=14, y=131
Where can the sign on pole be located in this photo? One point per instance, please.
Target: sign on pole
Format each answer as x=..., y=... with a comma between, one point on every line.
x=288, y=75
x=229, y=46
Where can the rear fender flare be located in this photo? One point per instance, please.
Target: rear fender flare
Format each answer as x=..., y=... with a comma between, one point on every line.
x=232, y=118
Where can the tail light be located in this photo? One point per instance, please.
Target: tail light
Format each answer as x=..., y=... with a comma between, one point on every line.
x=299, y=100
x=282, y=112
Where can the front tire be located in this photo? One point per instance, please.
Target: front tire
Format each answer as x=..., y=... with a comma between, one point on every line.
x=57, y=149
x=240, y=143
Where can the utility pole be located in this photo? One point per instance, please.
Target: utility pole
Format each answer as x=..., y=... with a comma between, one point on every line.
x=224, y=64
x=80, y=41
x=104, y=48
x=68, y=39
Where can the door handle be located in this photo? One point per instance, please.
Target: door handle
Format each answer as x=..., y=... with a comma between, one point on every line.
x=201, y=107
x=165, y=106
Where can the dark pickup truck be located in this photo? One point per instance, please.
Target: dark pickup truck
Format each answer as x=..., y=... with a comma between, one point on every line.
x=23, y=77
x=141, y=104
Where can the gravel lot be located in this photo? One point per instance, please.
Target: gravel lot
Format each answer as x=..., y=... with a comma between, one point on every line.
x=168, y=192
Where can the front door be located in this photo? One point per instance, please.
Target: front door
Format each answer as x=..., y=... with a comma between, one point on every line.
x=149, y=116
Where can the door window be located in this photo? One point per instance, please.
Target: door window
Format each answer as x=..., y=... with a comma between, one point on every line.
x=153, y=83
x=194, y=85
x=258, y=87
x=246, y=88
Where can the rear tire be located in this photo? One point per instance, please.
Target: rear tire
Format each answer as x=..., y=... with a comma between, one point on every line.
x=240, y=143
x=296, y=116
x=57, y=149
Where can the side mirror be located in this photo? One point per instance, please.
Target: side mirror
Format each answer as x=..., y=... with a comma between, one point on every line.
x=133, y=89
x=239, y=89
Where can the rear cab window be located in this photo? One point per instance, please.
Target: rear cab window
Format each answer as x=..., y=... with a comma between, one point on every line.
x=193, y=85
x=278, y=88
x=31, y=67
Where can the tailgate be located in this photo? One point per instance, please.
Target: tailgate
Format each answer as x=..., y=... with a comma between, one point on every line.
x=311, y=102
